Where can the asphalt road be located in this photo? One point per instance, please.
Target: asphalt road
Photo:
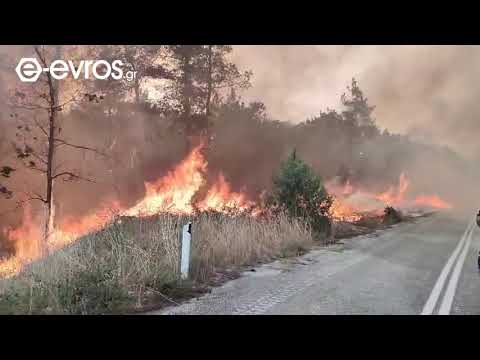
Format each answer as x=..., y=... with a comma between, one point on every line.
x=426, y=267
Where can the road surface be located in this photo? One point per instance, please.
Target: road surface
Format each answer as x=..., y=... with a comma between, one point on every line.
x=426, y=267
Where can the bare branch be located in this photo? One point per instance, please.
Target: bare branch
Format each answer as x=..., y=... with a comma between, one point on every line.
x=18, y=206
x=63, y=142
x=37, y=169
x=37, y=194
x=40, y=126
x=29, y=106
x=72, y=176
x=228, y=84
x=39, y=158
x=41, y=57
x=58, y=166
x=72, y=99
x=28, y=197
x=37, y=198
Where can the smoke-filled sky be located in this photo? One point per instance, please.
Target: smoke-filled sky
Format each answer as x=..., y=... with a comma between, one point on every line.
x=430, y=92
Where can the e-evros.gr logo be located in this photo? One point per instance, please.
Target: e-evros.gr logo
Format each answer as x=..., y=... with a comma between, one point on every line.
x=29, y=70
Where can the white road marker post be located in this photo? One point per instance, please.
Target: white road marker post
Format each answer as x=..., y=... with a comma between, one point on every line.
x=185, y=250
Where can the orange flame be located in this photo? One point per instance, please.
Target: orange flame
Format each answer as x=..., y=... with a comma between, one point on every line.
x=220, y=197
x=173, y=193
x=347, y=207
x=395, y=196
x=26, y=243
x=347, y=189
x=341, y=211
x=432, y=201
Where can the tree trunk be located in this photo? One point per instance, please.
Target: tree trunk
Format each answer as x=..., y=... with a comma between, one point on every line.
x=50, y=205
x=136, y=86
x=187, y=87
x=210, y=80
x=137, y=92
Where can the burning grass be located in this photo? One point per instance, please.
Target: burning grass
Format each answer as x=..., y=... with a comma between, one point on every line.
x=133, y=262
x=129, y=261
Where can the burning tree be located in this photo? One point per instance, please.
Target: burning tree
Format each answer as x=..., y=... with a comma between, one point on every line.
x=38, y=134
x=301, y=193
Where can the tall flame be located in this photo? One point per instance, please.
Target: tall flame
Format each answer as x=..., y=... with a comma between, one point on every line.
x=26, y=243
x=220, y=196
x=174, y=192
x=178, y=192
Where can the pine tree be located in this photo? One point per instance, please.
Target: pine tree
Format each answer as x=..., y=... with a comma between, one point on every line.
x=301, y=193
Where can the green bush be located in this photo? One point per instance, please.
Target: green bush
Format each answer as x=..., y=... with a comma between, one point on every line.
x=391, y=215
x=96, y=291
x=300, y=191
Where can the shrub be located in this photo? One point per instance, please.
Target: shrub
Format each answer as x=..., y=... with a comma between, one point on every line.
x=301, y=192
x=391, y=215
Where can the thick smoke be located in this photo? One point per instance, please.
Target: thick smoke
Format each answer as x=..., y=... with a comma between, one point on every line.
x=138, y=146
x=429, y=92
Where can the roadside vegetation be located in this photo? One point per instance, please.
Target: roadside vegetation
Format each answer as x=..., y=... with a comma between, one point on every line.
x=300, y=191
x=392, y=216
x=133, y=263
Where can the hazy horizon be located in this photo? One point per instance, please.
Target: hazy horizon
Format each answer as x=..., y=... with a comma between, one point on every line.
x=428, y=92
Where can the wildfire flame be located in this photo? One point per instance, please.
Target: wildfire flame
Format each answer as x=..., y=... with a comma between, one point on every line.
x=173, y=193
x=25, y=243
x=432, y=201
x=341, y=211
x=220, y=196
x=395, y=195
x=178, y=191
x=349, y=203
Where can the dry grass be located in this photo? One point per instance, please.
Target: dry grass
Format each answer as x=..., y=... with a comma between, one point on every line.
x=222, y=241
x=133, y=260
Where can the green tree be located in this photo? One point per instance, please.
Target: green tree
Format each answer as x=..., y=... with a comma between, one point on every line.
x=219, y=73
x=358, y=113
x=301, y=193
x=144, y=60
x=199, y=75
